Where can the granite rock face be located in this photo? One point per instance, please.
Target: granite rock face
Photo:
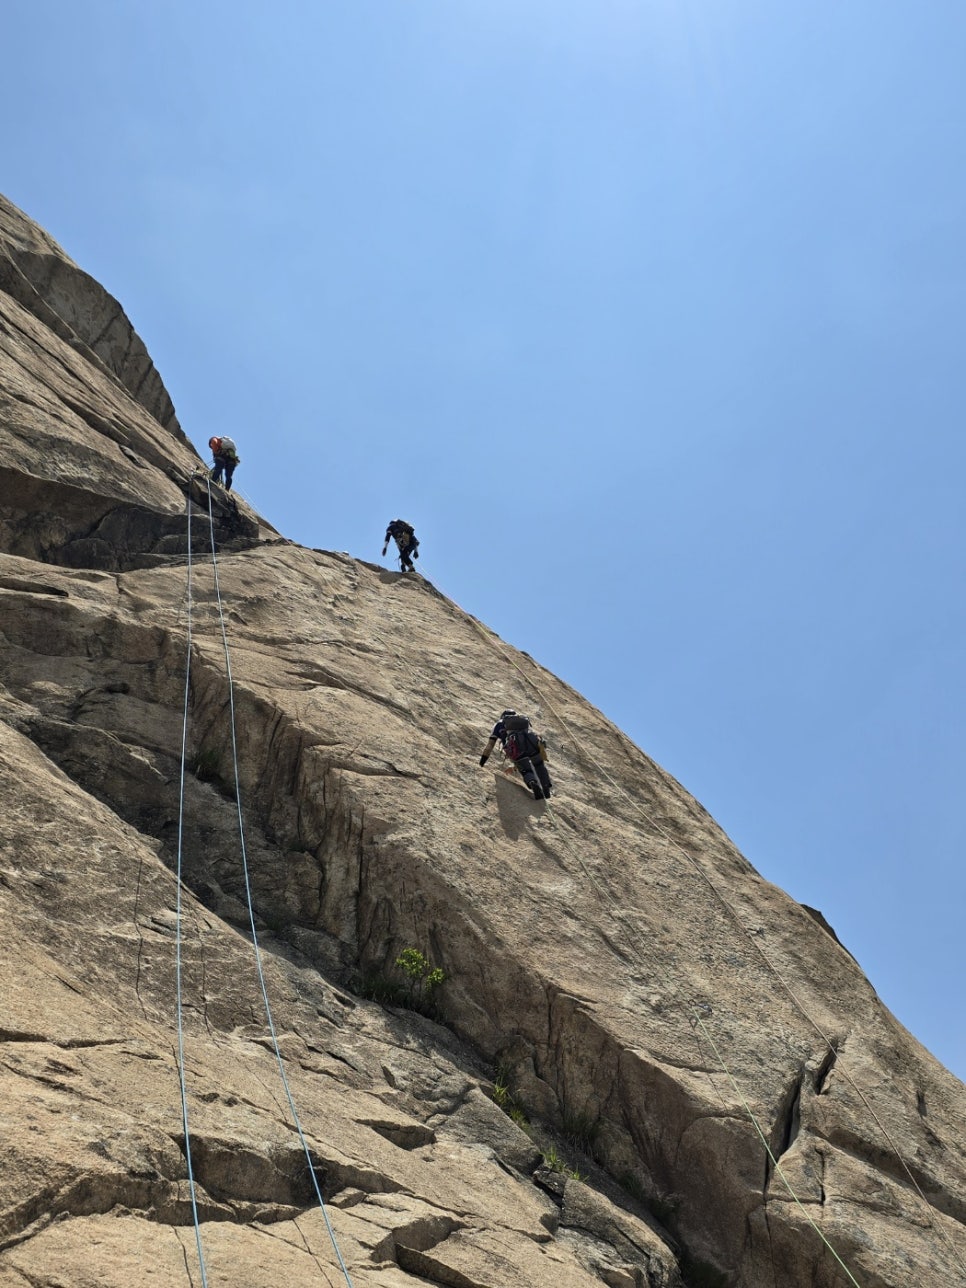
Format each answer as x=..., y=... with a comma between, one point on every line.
x=624, y=997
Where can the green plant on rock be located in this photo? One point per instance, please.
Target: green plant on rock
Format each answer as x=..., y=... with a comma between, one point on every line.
x=554, y=1163
x=503, y=1095
x=422, y=979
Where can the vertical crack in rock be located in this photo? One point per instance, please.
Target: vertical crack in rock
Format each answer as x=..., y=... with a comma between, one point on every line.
x=787, y=1125
x=824, y=1071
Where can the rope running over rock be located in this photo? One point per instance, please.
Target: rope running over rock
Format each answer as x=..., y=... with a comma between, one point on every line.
x=178, y=918
x=251, y=912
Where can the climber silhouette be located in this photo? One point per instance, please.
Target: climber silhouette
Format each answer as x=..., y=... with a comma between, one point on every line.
x=405, y=538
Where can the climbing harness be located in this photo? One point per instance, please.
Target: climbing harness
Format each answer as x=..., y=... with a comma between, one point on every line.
x=248, y=897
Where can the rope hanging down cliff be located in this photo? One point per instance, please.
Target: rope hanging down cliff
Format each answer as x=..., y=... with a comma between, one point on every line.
x=248, y=895
x=251, y=911
x=693, y=863
x=178, y=922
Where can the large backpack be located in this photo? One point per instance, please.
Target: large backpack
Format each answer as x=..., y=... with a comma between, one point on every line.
x=521, y=740
x=228, y=447
x=516, y=724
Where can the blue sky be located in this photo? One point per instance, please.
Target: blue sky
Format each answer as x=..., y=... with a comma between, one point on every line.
x=647, y=313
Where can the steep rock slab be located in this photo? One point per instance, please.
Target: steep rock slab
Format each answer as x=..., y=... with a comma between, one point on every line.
x=580, y=973
x=94, y=1153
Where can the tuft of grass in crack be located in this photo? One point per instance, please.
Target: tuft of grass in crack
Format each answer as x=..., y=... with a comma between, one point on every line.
x=581, y=1131
x=503, y=1095
x=518, y=1116
x=554, y=1163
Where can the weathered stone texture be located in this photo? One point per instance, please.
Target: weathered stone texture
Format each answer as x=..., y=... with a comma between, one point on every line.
x=630, y=982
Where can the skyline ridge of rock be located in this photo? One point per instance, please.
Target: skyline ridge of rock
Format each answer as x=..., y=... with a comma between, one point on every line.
x=616, y=974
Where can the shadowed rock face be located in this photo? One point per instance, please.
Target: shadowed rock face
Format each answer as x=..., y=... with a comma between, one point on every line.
x=644, y=994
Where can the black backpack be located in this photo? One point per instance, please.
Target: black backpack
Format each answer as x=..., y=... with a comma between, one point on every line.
x=521, y=740
x=516, y=724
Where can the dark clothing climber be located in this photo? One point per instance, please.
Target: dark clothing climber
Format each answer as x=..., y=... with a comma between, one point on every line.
x=225, y=459
x=525, y=749
x=405, y=538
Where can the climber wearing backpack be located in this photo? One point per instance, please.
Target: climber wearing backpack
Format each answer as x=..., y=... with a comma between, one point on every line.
x=525, y=748
x=225, y=458
x=405, y=538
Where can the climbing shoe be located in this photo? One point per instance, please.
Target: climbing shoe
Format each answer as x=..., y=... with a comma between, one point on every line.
x=537, y=793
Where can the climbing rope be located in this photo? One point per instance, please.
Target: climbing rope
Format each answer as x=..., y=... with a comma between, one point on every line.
x=178, y=921
x=689, y=858
x=251, y=912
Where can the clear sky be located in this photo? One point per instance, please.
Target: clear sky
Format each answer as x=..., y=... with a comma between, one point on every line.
x=649, y=314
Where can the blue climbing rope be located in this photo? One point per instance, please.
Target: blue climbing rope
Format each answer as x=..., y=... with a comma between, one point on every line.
x=178, y=931
x=251, y=912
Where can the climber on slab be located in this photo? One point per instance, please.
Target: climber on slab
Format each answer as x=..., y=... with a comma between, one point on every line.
x=525, y=748
x=406, y=543
x=226, y=457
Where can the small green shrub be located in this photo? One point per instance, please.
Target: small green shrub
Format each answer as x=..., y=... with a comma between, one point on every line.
x=422, y=979
x=411, y=983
